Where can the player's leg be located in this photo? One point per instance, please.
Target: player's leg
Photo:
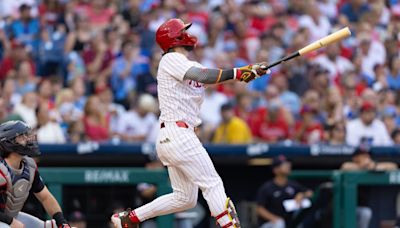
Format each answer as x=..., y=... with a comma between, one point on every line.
x=199, y=168
x=183, y=197
x=31, y=221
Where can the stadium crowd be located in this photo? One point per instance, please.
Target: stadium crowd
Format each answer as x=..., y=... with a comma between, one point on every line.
x=80, y=70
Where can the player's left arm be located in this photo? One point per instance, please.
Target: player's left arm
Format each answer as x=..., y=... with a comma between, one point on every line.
x=48, y=201
x=214, y=76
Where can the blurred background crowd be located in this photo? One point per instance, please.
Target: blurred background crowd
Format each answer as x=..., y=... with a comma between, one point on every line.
x=80, y=70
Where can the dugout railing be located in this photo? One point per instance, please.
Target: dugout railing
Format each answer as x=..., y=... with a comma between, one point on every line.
x=344, y=185
x=57, y=178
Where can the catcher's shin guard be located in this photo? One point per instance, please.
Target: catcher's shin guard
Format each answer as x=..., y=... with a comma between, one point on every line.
x=124, y=219
x=231, y=214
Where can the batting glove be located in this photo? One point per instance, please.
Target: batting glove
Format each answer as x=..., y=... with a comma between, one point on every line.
x=250, y=72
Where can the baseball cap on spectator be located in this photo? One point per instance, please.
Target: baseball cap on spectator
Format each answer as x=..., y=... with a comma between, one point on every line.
x=279, y=160
x=367, y=106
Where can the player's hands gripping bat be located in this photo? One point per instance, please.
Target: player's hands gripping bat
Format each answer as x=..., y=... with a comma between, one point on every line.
x=122, y=220
x=251, y=72
x=332, y=38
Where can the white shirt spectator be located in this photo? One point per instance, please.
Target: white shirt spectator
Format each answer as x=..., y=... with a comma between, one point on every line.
x=50, y=133
x=328, y=8
x=335, y=68
x=11, y=7
x=27, y=114
x=375, y=133
x=210, y=111
x=132, y=124
x=317, y=31
x=376, y=55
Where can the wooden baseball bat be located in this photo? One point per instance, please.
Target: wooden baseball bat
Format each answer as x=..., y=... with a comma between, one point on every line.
x=334, y=37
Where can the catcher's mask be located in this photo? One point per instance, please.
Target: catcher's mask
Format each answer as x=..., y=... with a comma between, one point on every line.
x=18, y=137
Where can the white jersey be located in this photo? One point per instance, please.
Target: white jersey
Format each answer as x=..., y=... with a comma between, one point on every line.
x=180, y=100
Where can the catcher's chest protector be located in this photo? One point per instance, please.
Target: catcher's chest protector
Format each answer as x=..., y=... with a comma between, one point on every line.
x=19, y=182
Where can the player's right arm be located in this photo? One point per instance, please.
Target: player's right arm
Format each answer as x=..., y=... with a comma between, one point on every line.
x=214, y=76
x=181, y=68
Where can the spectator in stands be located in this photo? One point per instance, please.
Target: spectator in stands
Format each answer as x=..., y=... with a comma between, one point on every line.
x=289, y=99
x=381, y=81
x=76, y=132
x=50, y=51
x=66, y=108
x=354, y=9
x=114, y=110
x=333, y=106
x=308, y=129
x=210, y=111
x=45, y=93
x=26, y=109
x=230, y=125
x=15, y=57
x=26, y=28
x=337, y=134
x=393, y=76
x=125, y=70
x=99, y=14
x=132, y=14
x=78, y=38
x=362, y=160
x=367, y=128
x=50, y=11
x=24, y=78
x=389, y=118
x=372, y=53
x=8, y=93
x=317, y=24
x=137, y=124
x=269, y=124
x=396, y=136
x=78, y=87
x=244, y=106
x=272, y=194
x=49, y=131
x=77, y=219
x=98, y=58
x=336, y=64
x=4, y=43
x=147, y=81
x=95, y=120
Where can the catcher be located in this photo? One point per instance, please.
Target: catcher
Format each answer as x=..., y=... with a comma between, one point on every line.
x=19, y=176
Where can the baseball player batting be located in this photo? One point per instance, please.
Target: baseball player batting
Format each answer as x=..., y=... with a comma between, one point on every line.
x=180, y=93
x=19, y=176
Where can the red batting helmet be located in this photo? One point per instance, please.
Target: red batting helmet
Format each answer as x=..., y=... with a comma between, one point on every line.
x=173, y=34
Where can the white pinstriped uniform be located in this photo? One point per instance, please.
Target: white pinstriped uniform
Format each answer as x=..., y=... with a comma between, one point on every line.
x=189, y=164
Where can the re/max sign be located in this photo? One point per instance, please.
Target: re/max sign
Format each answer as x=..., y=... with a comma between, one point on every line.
x=106, y=176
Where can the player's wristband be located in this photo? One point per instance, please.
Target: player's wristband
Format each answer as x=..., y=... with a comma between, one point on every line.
x=6, y=218
x=59, y=218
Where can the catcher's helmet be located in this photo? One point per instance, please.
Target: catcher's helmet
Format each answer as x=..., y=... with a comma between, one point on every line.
x=11, y=142
x=172, y=33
